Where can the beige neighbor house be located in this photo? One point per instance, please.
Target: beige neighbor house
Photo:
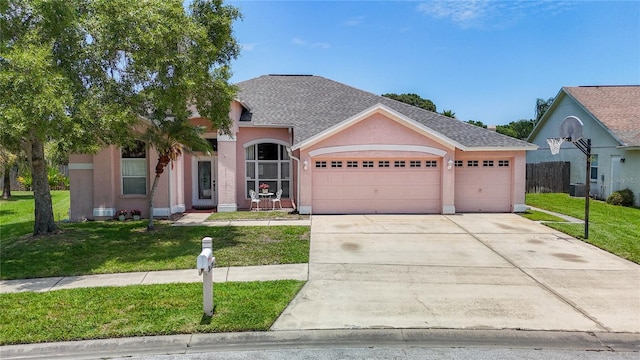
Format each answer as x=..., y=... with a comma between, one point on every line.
x=611, y=119
x=330, y=148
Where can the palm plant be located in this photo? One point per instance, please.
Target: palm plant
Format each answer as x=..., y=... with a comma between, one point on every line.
x=170, y=137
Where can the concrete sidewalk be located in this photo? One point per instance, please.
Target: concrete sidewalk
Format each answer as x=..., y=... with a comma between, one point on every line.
x=220, y=275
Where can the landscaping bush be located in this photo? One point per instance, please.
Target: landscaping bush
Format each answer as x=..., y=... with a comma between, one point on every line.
x=622, y=197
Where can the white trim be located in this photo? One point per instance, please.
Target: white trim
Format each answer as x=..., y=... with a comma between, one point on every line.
x=448, y=209
x=519, y=208
x=388, y=112
x=110, y=212
x=304, y=210
x=161, y=212
x=266, y=140
x=373, y=147
x=81, y=166
x=227, y=207
x=225, y=137
x=179, y=208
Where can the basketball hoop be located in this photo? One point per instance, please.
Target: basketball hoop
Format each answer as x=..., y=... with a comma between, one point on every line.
x=554, y=145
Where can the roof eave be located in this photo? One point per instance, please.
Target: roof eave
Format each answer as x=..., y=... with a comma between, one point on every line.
x=503, y=148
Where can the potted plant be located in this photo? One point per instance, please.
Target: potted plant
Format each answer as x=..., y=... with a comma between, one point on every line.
x=136, y=214
x=264, y=187
x=121, y=214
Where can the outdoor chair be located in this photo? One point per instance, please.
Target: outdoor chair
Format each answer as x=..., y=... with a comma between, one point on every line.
x=254, y=199
x=277, y=199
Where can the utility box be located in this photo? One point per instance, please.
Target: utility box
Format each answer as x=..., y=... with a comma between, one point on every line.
x=577, y=190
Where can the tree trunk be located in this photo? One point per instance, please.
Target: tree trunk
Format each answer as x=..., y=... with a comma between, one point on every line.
x=152, y=194
x=6, y=188
x=44, y=222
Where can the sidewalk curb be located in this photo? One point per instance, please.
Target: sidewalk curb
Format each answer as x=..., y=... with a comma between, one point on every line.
x=211, y=343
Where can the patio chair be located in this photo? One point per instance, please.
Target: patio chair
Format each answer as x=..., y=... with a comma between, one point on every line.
x=277, y=199
x=254, y=199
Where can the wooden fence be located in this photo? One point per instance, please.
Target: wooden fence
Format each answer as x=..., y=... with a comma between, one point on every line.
x=548, y=177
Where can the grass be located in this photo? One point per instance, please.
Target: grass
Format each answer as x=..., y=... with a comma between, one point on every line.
x=534, y=215
x=17, y=214
x=255, y=215
x=108, y=312
x=615, y=229
x=114, y=246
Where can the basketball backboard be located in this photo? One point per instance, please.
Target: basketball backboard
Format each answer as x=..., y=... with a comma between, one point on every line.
x=571, y=128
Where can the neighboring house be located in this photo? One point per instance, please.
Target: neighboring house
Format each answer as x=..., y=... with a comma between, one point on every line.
x=611, y=118
x=346, y=150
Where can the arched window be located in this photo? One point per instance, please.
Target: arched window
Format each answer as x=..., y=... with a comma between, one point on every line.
x=268, y=163
x=133, y=166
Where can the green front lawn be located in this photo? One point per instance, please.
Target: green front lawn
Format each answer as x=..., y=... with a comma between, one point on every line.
x=114, y=246
x=108, y=312
x=613, y=228
x=17, y=216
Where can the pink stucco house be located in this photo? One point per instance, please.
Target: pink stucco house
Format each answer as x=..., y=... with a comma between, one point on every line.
x=331, y=148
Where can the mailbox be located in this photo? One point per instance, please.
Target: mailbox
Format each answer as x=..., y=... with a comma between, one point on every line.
x=205, y=261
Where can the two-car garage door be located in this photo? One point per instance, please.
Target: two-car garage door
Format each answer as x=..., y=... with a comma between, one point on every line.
x=394, y=185
x=406, y=185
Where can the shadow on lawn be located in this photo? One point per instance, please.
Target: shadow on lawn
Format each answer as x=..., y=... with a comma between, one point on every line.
x=104, y=247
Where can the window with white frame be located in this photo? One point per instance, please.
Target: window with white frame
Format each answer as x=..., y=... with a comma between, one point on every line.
x=133, y=169
x=268, y=163
x=594, y=167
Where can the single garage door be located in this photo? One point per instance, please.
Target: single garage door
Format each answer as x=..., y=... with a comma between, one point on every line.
x=483, y=185
x=376, y=186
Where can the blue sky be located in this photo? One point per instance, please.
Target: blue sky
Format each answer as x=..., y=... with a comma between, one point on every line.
x=485, y=60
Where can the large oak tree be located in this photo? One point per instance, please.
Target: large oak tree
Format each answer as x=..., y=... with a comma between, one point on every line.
x=82, y=72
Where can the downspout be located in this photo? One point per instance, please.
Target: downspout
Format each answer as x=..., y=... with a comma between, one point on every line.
x=290, y=153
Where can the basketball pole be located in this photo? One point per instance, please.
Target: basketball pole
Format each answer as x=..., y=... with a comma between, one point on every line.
x=585, y=147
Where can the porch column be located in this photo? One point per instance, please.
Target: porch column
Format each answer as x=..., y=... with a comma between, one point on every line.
x=226, y=173
x=448, y=184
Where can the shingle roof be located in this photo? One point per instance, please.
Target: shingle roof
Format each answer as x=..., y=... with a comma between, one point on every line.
x=312, y=104
x=616, y=107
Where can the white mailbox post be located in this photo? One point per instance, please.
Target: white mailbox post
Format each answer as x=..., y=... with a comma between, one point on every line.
x=205, y=263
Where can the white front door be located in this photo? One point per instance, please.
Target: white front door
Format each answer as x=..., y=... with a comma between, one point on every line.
x=204, y=177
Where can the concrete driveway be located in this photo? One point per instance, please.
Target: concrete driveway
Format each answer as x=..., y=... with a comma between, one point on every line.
x=471, y=271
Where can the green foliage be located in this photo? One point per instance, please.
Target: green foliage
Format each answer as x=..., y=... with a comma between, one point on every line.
x=517, y=129
x=542, y=106
x=110, y=312
x=448, y=113
x=413, y=99
x=622, y=197
x=81, y=73
x=25, y=181
x=57, y=180
x=477, y=123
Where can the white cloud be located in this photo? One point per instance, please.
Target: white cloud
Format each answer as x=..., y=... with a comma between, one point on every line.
x=489, y=13
x=354, y=21
x=304, y=43
x=248, y=47
x=299, y=42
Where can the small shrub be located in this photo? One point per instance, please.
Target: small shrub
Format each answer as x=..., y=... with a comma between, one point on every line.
x=623, y=197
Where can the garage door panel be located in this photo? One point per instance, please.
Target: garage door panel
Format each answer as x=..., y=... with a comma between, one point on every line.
x=483, y=189
x=376, y=190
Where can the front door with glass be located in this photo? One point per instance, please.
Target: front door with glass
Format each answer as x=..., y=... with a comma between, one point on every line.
x=204, y=181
